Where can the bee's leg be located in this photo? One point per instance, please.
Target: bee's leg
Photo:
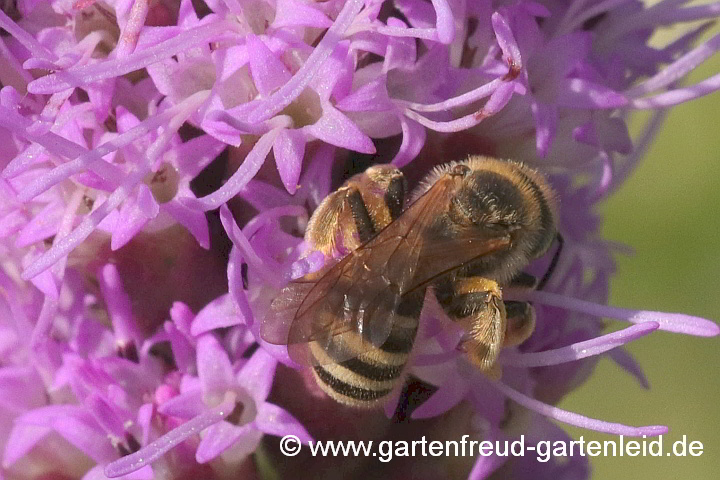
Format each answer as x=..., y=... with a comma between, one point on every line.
x=341, y=221
x=523, y=280
x=520, y=315
x=333, y=225
x=359, y=209
x=375, y=199
x=364, y=225
x=476, y=303
x=520, y=322
x=394, y=196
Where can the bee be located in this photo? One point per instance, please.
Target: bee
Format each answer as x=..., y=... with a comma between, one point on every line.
x=469, y=229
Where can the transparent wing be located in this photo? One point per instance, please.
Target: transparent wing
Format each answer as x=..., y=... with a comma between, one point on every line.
x=351, y=308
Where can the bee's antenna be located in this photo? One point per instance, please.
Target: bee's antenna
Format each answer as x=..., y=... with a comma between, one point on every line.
x=553, y=262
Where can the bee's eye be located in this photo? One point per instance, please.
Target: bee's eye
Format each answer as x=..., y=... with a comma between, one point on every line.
x=461, y=170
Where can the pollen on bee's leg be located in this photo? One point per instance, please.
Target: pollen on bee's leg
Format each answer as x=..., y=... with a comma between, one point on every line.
x=494, y=372
x=480, y=355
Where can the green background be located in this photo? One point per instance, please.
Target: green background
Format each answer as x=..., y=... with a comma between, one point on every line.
x=669, y=212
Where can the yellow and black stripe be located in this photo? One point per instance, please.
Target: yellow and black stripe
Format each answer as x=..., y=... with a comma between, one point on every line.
x=366, y=204
x=368, y=378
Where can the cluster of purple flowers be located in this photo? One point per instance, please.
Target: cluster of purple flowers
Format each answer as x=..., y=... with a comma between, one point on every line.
x=138, y=187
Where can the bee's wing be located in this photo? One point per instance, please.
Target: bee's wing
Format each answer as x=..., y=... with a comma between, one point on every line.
x=348, y=311
x=351, y=308
x=443, y=255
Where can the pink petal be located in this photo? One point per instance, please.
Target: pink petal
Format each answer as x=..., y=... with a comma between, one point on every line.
x=247, y=170
x=256, y=376
x=445, y=22
x=25, y=38
x=93, y=72
x=53, y=143
x=576, y=419
x=214, y=368
x=309, y=264
x=289, y=150
x=193, y=220
x=626, y=361
x=545, y=126
x=196, y=154
x=236, y=290
x=679, y=95
x=182, y=350
x=119, y=305
x=506, y=41
x=105, y=415
x=614, y=135
x=317, y=175
x=581, y=93
x=85, y=435
x=44, y=224
x=678, y=69
x=145, y=416
x=22, y=438
x=131, y=30
x=185, y=405
x=670, y=322
x=294, y=13
x=497, y=101
x=224, y=435
x=585, y=133
x=290, y=91
x=448, y=395
x=92, y=159
x=219, y=313
x=371, y=97
x=576, y=351
x=335, y=128
x=335, y=75
x=274, y=420
x=430, y=34
x=22, y=387
x=401, y=52
x=134, y=214
x=485, y=465
x=268, y=72
x=11, y=223
x=101, y=97
x=413, y=140
x=240, y=241
x=181, y=316
x=478, y=93
x=159, y=447
x=125, y=120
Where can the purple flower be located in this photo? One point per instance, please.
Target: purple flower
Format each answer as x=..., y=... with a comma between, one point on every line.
x=243, y=394
x=145, y=231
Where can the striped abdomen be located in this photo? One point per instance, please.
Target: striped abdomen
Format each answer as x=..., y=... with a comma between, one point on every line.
x=365, y=380
x=349, y=217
